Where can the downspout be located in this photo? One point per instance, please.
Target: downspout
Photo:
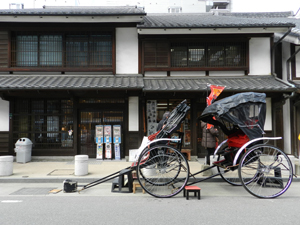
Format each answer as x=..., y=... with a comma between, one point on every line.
x=289, y=77
x=273, y=62
x=273, y=51
x=288, y=74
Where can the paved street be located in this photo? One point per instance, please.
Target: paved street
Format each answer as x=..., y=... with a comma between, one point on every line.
x=25, y=199
x=221, y=203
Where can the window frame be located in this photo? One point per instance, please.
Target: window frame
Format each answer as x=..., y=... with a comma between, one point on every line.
x=242, y=42
x=45, y=122
x=89, y=66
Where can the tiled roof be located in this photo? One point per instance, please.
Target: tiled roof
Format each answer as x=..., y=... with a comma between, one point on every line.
x=101, y=11
x=259, y=14
x=271, y=17
x=69, y=82
x=245, y=83
x=37, y=82
x=207, y=20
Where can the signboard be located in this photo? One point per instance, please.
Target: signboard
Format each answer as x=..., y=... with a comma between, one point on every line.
x=151, y=117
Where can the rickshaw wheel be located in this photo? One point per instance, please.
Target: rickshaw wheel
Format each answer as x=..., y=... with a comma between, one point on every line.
x=165, y=172
x=265, y=171
x=230, y=175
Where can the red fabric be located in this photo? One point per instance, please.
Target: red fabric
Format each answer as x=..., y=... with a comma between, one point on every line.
x=237, y=139
x=215, y=91
x=153, y=136
x=192, y=188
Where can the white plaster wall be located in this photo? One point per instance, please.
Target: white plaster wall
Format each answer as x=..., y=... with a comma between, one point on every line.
x=4, y=115
x=226, y=73
x=260, y=56
x=155, y=73
x=187, y=73
x=133, y=113
x=268, y=122
x=298, y=63
x=126, y=51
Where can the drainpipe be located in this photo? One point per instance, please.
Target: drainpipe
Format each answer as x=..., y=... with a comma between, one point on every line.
x=288, y=74
x=273, y=51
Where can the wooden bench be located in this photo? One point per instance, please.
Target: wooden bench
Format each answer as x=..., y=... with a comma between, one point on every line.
x=188, y=189
x=187, y=152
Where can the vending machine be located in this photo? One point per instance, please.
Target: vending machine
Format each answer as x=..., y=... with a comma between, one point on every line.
x=117, y=141
x=99, y=141
x=107, y=141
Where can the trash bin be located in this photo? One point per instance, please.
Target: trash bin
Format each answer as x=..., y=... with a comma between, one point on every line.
x=23, y=150
x=81, y=165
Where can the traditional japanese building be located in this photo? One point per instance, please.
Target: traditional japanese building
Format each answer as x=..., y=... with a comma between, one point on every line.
x=63, y=71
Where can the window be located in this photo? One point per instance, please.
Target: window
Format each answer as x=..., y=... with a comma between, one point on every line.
x=183, y=55
x=202, y=55
x=50, y=50
x=62, y=50
x=45, y=122
x=156, y=54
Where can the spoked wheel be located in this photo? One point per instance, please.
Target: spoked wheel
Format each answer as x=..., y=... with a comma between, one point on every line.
x=229, y=175
x=265, y=171
x=164, y=173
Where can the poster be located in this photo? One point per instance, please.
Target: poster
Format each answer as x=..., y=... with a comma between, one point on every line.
x=117, y=152
x=99, y=151
x=151, y=117
x=187, y=137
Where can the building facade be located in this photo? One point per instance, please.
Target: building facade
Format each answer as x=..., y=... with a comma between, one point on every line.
x=65, y=71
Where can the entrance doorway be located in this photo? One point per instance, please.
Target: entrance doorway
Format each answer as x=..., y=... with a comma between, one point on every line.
x=89, y=118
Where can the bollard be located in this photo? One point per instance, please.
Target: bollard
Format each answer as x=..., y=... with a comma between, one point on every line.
x=81, y=165
x=6, y=165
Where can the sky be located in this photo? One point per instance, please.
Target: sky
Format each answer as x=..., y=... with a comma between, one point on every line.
x=237, y=5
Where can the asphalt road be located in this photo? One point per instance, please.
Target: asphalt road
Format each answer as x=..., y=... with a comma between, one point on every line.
x=221, y=203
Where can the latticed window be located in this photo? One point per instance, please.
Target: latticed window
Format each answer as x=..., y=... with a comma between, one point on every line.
x=156, y=54
x=45, y=122
x=204, y=55
x=62, y=50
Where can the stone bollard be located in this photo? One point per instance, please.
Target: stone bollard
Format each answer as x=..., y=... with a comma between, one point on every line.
x=81, y=165
x=6, y=165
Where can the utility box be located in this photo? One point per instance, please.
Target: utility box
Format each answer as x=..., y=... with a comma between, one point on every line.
x=23, y=150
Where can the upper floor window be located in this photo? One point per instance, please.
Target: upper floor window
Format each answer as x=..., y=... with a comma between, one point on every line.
x=62, y=50
x=202, y=55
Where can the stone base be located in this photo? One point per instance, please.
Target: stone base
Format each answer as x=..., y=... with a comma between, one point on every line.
x=207, y=173
x=297, y=169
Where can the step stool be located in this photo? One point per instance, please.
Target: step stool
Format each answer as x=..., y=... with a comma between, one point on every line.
x=188, y=189
x=119, y=182
x=135, y=185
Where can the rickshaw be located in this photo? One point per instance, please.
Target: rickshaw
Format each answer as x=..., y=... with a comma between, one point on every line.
x=244, y=159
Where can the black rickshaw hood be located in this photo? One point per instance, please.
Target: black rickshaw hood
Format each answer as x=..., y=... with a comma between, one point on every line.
x=244, y=110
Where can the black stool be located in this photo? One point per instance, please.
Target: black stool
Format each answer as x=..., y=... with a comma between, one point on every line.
x=120, y=182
